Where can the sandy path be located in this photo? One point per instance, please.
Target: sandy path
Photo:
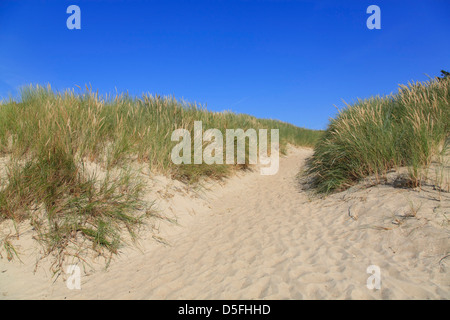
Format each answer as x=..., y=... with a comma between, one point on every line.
x=263, y=238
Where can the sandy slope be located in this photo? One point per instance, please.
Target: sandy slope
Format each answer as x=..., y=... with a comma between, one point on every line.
x=261, y=237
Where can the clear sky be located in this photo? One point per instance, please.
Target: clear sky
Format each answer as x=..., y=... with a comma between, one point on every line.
x=287, y=60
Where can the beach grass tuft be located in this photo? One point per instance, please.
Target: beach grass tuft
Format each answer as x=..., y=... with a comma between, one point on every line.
x=371, y=137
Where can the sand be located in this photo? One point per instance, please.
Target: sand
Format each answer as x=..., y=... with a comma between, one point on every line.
x=263, y=237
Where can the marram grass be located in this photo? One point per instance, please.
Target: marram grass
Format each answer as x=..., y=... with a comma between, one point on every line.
x=375, y=135
x=49, y=136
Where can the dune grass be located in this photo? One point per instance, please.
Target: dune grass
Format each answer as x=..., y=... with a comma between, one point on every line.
x=372, y=136
x=50, y=136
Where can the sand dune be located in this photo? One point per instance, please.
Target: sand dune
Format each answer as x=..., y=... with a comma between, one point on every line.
x=262, y=237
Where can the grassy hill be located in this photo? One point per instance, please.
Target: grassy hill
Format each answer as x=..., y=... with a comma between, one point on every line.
x=49, y=137
x=409, y=128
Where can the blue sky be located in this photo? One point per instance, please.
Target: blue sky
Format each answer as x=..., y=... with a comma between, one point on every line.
x=287, y=60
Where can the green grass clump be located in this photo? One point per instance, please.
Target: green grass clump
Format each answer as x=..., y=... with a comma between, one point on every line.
x=64, y=203
x=380, y=133
x=50, y=137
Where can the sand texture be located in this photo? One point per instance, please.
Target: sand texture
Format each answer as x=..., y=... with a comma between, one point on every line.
x=264, y=237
